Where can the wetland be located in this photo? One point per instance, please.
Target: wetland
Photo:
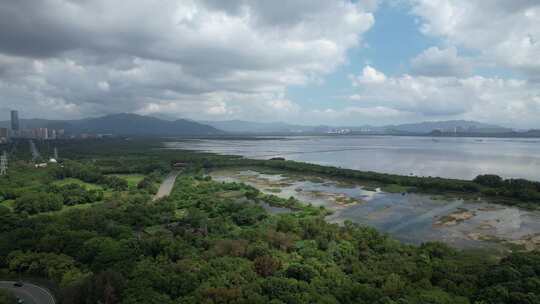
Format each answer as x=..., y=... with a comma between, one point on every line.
x=409, y=217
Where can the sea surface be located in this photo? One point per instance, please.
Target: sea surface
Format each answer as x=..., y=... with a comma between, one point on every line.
x=462, y=158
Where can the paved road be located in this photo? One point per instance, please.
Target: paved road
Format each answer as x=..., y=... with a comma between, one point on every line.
x=30, y=293
x=167, y=185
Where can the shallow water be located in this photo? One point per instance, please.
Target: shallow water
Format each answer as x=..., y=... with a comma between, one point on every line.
x=462, y=158
x=412, y=218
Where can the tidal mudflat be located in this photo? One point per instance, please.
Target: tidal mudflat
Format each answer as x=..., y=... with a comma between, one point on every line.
x=412, y=218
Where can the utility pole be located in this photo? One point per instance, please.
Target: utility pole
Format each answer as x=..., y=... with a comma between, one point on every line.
x=3, y=164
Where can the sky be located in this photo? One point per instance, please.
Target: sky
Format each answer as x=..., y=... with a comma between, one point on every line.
x=313, y=62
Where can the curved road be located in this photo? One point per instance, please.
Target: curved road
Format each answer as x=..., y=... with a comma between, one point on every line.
x=167, y=185
x=30, y=293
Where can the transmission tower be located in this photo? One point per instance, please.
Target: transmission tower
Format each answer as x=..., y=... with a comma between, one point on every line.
x=3, y=163
x=34, y=150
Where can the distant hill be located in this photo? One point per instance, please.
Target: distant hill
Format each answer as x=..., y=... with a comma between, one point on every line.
x=462, y=126
x=133, y=124
x=459, y=126
x=39, y=123
x=241, y=126
x=124, y=124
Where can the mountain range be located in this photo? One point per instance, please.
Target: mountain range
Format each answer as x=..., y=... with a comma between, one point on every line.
x=124, y=124
x=461, y=126
x=139, y=125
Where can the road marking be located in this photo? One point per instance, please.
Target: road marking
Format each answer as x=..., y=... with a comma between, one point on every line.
x=47, y=294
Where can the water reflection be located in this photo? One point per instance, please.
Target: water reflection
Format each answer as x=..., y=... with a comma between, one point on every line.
x=411, y=218
x=462, y=158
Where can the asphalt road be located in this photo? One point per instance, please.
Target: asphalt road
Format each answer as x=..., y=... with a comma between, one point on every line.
x=167, y=185
x=30, y=293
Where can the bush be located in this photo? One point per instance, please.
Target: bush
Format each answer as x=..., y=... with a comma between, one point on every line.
x=36, y=202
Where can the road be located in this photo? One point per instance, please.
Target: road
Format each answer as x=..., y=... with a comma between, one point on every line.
x=167, y=185
x=30, y=293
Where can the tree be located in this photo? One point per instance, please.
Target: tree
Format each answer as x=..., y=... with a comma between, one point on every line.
x=266, y=265
x=393, y=285
x=489, y=180
x=35, y=202
x=6, y=297
x=301, y=272
x=147, y=185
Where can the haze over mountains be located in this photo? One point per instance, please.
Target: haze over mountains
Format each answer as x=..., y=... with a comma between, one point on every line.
x=240, y=126
x=124, y=124
x=133, y=124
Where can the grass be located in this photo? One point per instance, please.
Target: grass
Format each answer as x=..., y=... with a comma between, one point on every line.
x=131, y=179
x=394, y=188
x=87, y=186
x=67, y=208
x=8, y=203
x=230, y=194
x=273, y=190
x=153, y=230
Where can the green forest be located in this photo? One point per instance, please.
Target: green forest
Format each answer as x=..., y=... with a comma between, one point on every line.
x=88, y=229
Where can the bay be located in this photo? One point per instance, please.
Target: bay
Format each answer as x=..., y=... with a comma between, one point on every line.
x=462, y=158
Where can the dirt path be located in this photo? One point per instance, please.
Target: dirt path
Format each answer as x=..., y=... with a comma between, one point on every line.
x=167, y=185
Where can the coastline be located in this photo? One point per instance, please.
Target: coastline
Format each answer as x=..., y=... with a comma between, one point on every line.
x=512, y=192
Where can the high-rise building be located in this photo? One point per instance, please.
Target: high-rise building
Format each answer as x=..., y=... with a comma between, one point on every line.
x=4, y=132
x=4, y=135
x=15, y=126
x=41, y=133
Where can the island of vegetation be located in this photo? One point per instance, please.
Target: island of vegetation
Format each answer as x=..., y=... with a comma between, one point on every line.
x=88, y=229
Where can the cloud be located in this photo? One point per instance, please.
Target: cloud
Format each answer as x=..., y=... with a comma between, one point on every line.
x=100, y=56
x=505, y=33
x=369, y=76
x=507, y=101
x=224, y=105
x=441, y=62
x=358, y=115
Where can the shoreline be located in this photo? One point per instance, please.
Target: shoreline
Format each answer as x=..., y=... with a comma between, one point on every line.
x=449, y=158
x=461, y=223
x=511, y=192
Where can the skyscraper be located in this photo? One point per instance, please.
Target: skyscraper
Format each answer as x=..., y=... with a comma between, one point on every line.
x=15, y=121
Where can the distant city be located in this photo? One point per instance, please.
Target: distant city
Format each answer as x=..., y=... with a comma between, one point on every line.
x=17, y=131
x=133, y=125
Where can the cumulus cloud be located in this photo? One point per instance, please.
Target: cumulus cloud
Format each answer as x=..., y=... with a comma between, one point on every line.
x=508, y=101
x=441, y=62
x=506, y=33
x=216, y=105
x=100, y=56
x=369, y=76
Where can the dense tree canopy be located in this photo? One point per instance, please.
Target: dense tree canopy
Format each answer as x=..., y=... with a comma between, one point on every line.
x=212, y=242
